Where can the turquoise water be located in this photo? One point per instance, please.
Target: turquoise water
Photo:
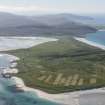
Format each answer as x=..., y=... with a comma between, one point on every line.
x=98, y=37
x=10, y=97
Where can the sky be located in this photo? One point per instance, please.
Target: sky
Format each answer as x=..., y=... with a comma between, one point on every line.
x=53, y=6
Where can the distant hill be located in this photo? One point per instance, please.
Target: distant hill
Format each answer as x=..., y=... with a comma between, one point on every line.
x=61, y=18
x=12, y=20
x=46, y=25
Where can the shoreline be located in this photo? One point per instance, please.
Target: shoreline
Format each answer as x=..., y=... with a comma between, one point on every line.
x=63, y=98
x=91, y=43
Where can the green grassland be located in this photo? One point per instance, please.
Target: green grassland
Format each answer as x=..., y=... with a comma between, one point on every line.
x=62, y=66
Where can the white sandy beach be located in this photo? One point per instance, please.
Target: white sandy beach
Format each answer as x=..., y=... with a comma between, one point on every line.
x=12, y=43
x=90, y=43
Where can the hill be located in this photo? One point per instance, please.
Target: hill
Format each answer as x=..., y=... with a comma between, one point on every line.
x=47, y=25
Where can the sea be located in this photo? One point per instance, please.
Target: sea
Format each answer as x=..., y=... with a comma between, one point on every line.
x=9, y=96
x=98, y=37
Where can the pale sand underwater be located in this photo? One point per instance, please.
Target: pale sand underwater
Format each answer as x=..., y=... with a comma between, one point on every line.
x=12, y=43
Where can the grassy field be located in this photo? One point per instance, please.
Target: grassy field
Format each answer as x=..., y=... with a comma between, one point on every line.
x=62, y=66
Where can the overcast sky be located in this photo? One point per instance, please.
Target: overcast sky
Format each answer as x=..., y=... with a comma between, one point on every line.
x=53, y=6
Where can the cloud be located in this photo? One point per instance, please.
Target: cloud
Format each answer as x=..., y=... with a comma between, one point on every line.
x=53, y=9
x=30, y=9
x=22, y=8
